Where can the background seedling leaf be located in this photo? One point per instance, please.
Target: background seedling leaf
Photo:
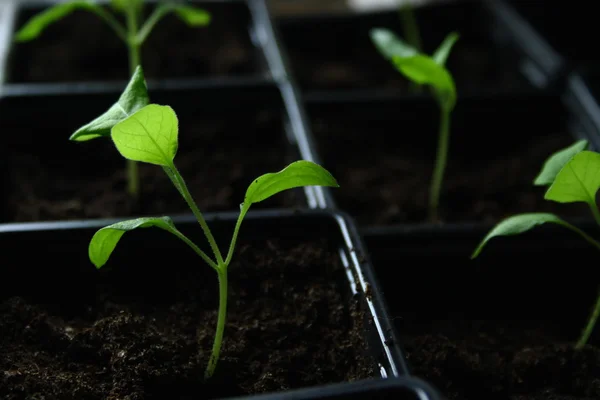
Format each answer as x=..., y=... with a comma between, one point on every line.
x=149, y=135
x=424, y=70
x=36, y=25
x=297, y=174
x=133, y=98
x=578, y=180
x=106, y=239
x=389, y=45
x=518, y=224
x=441, y=54
x=192, y=16
x=557, y=161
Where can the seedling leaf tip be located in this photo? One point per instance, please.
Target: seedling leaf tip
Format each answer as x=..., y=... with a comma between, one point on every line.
x=134, y=97
x=556, y=162
x=106, y=239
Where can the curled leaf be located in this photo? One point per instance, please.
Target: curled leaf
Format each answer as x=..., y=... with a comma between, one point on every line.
x=133, y=98
x=297, y=174
x=518, y=224
x=105, y=240
x=38, y=23
x=557, y=161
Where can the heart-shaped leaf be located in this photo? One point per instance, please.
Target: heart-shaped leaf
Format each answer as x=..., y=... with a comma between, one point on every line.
x=578, y=180
x=105, y=240
x=149, y=135
x=557, y=161
x=133, y=98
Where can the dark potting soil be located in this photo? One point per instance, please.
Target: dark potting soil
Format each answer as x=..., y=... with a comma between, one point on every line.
x=502, y=360
x=81, y=47
x=385, y=180
x=289, y=325
x=217, y=157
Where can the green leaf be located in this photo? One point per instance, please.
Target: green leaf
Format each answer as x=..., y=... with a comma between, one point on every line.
x=149, y=135
x=424, y=70
x=133, y=98
x=192, y=16
x=106, y=239
x=557, y=161
x=36, y=25
x=441, y=54
x=297, y=174
x=389, y=45
x=518, y=224
x=578, y=180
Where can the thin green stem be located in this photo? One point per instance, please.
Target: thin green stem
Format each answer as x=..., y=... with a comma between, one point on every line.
x=440, y=164
x=159, y=12
x=236, y=231
x=589, y=328
x=216, y=349
x=581, y=233
x=179, y=183
x=191, y=244
x=112, y=22
x=133, y=178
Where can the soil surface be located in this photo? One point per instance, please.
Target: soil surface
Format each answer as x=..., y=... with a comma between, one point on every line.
x=218, y=157
x=289, y=325
x=173, y=50
x=339, y=55
x=502, y=360
x=502, y=326
x=387, y=180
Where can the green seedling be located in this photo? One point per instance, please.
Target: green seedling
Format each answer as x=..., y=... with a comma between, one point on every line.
x=425, y=70
x=411, y=32
x=134, y=33
x=148, y=133
x=572, y=175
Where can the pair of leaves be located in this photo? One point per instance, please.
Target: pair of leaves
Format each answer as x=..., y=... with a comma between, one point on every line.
x=34, y=27
x=418, y=67
x=572, y=174
x=297, y=174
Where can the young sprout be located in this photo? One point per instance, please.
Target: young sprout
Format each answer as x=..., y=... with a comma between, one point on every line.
x=411, y=32
x=572, y=175
x=148, y=133
x=134, y=34
x=425, y=70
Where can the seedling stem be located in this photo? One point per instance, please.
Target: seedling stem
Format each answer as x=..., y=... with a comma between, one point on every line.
x=440, y=164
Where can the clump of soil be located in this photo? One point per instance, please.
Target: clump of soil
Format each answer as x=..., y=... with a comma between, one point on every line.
x=83, y=47
x=290, y=325
x=218, y=157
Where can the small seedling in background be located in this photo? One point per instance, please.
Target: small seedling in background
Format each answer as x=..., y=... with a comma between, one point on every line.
x=149, y=133
x=425, y=70
x=411, y=32
x=134, y=34
x=573, y=175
